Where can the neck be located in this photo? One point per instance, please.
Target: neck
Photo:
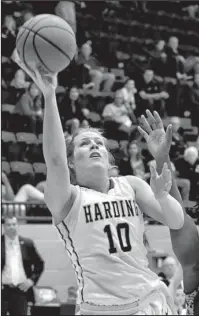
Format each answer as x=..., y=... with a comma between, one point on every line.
x=98, y=183
x=11, y=237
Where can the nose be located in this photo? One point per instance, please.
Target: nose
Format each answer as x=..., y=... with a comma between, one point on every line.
x=94, y=145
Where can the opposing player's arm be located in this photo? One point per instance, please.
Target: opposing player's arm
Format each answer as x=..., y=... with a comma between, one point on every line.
x=166, y=210
x=59, y=193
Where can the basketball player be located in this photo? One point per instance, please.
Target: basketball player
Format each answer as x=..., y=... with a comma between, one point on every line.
x=185, y=241
x=100, y=219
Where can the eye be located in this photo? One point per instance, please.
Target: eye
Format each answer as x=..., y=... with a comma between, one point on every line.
x=100, y=142
x=85, y=142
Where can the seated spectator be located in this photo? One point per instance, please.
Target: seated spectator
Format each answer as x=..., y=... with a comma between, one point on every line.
x=17, y=87
x=158, y=59
x=117, y=119
x=188, y=168
x=194, y=101
x=8, y=41
x=71, y=111
x=178, y=145
x=152, y=97
x=93, y=68
x=30, y=105
x=184, y=185
x=175, y=61
x=25, y=194
x=180, y=302
x=134, y=163
x=129, y=90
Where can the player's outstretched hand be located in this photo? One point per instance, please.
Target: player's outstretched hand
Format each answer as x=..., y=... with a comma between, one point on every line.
x=158, y=141
x=45, y=81
x=160, y=184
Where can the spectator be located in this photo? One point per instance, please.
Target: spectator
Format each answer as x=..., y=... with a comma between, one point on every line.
x=152, y=97
x=66, y=10
x=27, y=193
x=184, y=185
x=194, y=101
x=129, y=90
x=178, y=145
x=134, y=163
x=21, y=267
x=17, y=87
x=8, y=40
x=175, y=61
x=158, y=59
x=188, y=168
x=117, y=121
x=30, y=105
x=93, y=69
x=71, y=110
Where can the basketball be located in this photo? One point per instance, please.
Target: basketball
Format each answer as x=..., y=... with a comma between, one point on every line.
x=47, y=40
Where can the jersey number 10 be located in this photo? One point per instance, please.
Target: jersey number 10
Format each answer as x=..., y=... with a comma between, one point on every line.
x=125, y=246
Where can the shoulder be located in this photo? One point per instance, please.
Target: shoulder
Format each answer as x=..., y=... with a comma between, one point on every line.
x=25, y=240
x=137, y=183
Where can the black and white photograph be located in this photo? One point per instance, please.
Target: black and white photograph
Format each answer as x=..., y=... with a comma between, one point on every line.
x=99, y=157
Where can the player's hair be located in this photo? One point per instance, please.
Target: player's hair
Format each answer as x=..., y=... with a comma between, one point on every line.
x=70, y=147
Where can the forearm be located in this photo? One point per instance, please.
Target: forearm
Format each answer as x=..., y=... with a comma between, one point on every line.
x=54, y=147
x=185, y=241
x=172, y=211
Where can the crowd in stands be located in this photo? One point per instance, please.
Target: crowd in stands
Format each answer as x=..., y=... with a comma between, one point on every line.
x=130, y=57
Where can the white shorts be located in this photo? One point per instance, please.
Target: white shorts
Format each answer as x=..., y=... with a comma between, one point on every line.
x=158, y=302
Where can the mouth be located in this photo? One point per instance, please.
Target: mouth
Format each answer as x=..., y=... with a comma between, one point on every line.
x=95, y=155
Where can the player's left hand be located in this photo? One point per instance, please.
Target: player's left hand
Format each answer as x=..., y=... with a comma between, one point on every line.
x=160, y=184
x=28, y=283
x=157, y=140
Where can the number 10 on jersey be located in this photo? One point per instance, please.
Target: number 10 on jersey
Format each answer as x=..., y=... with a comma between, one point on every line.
x=124, y=244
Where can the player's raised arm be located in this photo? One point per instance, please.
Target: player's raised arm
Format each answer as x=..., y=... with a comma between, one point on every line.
x=155, y=200
x=59, y=192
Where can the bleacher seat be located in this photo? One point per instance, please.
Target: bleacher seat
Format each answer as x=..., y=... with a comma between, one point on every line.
x=6, y=112
x=8, y=145
x=21, y=173
x=40, y=171
x=27, y=142
x=5, y=166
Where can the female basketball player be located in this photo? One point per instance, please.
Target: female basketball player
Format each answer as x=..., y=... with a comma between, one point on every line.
x=101, y=219
x=185, y=241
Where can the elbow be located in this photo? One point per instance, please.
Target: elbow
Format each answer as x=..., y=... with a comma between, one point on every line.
x=178, y=223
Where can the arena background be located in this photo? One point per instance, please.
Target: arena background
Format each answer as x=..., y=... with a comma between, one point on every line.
x=123, y=35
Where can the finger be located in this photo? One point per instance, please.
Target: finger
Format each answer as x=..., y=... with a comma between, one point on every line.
x=143, y=133
x=151, y=120
x=169, y=135
x=146, y=125
x=159, y=122
x=153, y=171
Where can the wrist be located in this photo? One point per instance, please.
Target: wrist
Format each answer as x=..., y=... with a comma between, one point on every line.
x=160, y=162
x=49, y=94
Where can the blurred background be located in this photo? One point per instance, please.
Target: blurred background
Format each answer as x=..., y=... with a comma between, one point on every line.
x=131, y=56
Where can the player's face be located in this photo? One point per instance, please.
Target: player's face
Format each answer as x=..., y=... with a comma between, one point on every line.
x=89, y=152
x=11, y=227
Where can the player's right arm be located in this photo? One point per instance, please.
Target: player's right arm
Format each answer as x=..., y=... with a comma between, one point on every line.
x=59, y=193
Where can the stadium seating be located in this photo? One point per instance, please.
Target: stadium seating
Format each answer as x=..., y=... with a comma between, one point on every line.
x=21, y=173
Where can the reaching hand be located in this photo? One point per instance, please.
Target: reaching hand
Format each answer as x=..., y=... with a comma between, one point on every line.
x=158, y=141
x=160, y=184
x=45, y=81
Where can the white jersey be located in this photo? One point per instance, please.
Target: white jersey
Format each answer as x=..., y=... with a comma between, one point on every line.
x=103, y=234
